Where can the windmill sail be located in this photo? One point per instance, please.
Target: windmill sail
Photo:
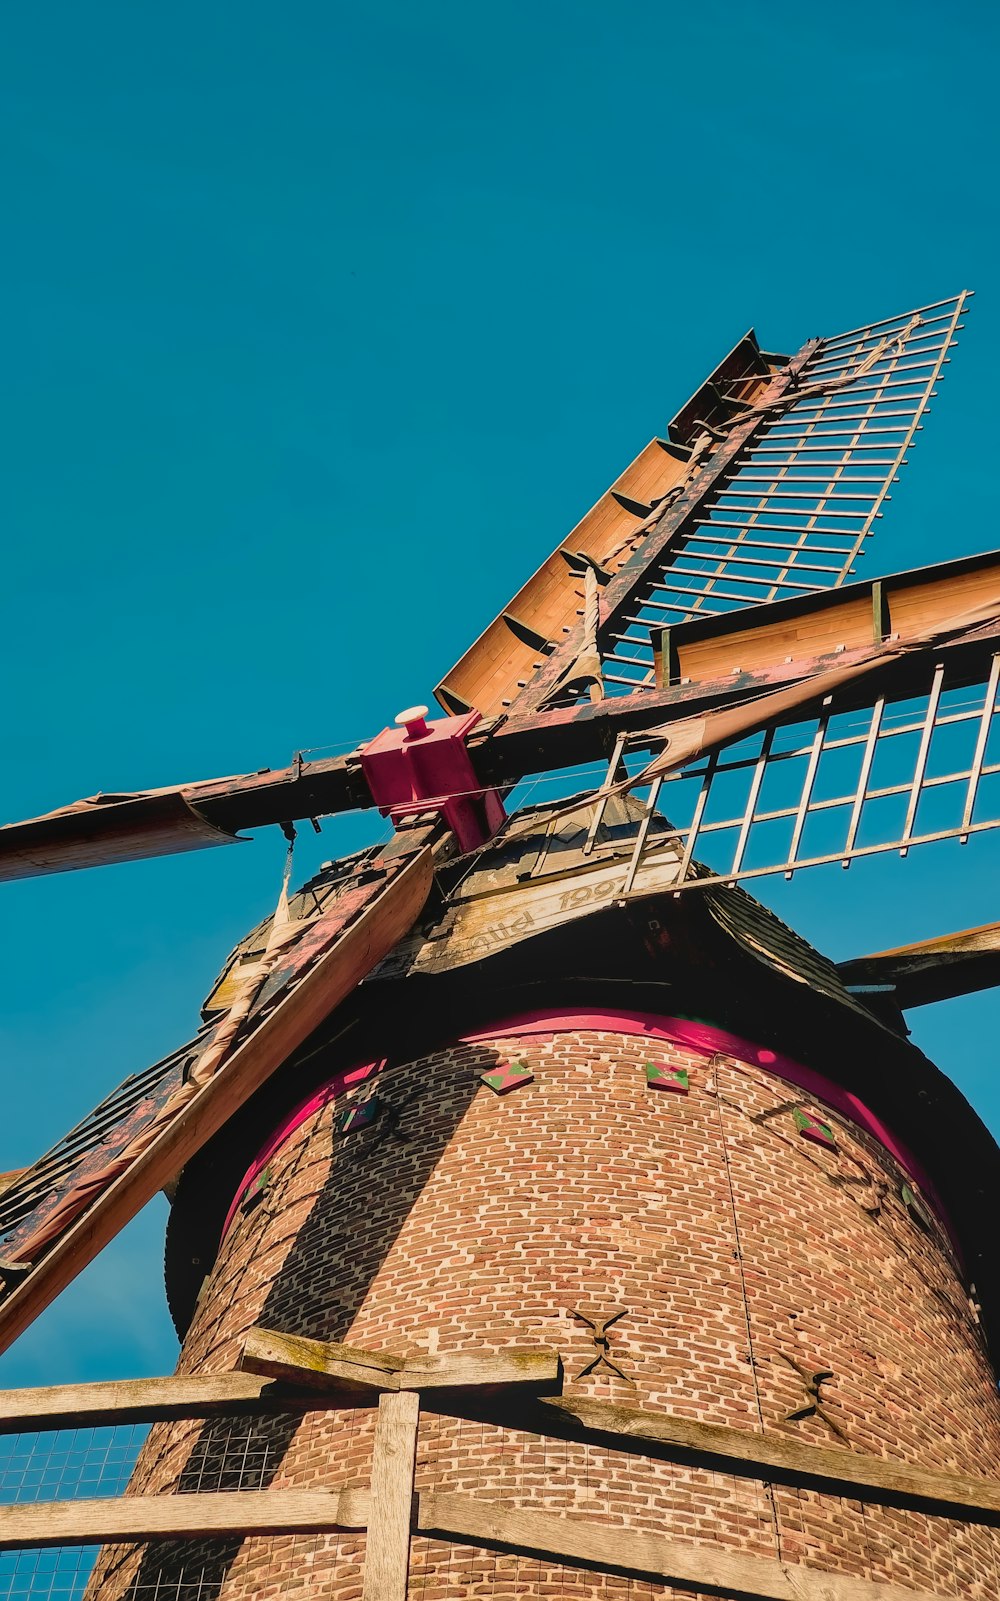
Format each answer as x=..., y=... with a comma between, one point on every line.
x=768, y=485
x=794, y=514
x=63, y=1210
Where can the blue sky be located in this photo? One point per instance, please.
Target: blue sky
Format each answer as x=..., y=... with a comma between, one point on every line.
x=321, y=326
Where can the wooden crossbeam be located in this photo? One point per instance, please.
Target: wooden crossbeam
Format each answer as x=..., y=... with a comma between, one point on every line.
x=118, y=1401
x=575, y=1542
x=180, y=1517
x=765, y=1456
x=330, y=1366
x=932, y=969
x=441, y=1379
x=635, y=1554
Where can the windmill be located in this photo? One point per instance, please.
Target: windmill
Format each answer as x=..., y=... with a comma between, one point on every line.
x=736, y=703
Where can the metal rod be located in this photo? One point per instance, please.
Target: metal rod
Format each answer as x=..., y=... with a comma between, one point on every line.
x=885, y=362
x=698, y=814
x=857, y=516
x=829, y=858
x=768, y=478
x=807, y=447
x=758, y=544
x=754, y=561
x=902, y=319
x=726, y=594
x=752, y=798
x=796, y=418
x=778, y=528
x=790, y=494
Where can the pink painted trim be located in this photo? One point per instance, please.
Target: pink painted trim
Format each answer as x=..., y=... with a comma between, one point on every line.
x=689, y=1032
x=708, y=1041
x=315, y=1103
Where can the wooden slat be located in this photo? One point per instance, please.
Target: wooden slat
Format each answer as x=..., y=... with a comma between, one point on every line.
x=548, y=603
x=753, y=642
x=839, y=1472
x=117, y=1401
x=634, y=1429
x=394, y=1454
x=331, y=1366
x=150, y=1517
x=635, y=1554
x=358, y=949
x=933, y=969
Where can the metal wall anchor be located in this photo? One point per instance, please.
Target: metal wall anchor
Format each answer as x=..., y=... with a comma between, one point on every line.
x=602, y=1343
x=815, y=1406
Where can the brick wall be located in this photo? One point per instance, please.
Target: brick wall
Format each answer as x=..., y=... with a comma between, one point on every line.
x=465, y=1220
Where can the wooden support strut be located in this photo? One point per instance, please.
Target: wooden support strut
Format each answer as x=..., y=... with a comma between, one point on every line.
x=349, y=1374
x=598, y=1547
x=720, y=659
x=635, y=1554
x=394, y=1455
x=329, y=1366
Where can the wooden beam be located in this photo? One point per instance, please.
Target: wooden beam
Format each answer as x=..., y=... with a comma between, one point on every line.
x=329, y=1366
x=376, y=928
x=394, y=1455
x=719, y=659
x=932, y=969
x=635, y=1554
x=66, y=1406
x=150, y=1517
x=571, y=734
x=766, y=1456
x=634, y=1429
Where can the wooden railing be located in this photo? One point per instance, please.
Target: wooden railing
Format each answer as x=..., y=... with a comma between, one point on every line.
x=521, y=1389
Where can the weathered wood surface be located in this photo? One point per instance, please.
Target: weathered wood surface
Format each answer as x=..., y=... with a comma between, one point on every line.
x=933, y=969
x=363, y=1374
x=394, y=1455
x=67, y=1406
x=728, y=657
x=667, y=531
x=839, y=1472
x=482, y=925
x=330, y=1366
x=508, y=649
x=638, y=1555
x=149, y=1517
x=361, y=946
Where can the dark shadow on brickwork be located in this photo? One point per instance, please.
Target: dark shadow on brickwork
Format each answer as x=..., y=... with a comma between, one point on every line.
x=374, y=1178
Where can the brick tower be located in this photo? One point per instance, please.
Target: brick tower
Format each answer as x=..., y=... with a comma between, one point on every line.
x=661, y=1139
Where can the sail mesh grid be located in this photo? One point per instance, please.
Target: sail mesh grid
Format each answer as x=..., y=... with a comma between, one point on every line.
x=830, y=788
x=794, y=515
